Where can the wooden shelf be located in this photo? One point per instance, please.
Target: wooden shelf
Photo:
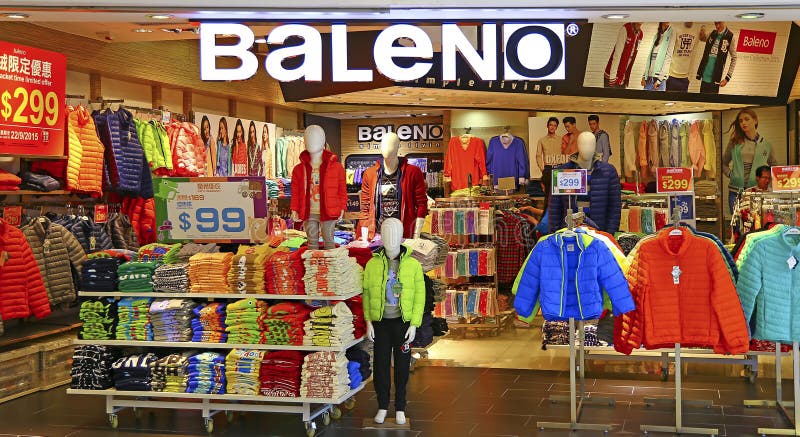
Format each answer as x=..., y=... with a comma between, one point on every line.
x=35, y=193
x=215, y=295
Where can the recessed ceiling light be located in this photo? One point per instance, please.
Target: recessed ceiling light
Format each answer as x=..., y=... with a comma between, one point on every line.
x=616, y=16
x=428, y=99
x=17, y=15
x=751, y=16
x=142, y=30
x=160, y=17
x=396, y=95
x=598, y=100
x=260, y=40
x=669, y=103
x=424, y=114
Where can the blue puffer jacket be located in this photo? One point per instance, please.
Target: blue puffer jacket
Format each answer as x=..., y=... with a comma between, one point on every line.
x=126, y=162
x=769, y=288
x=567, y=275
x=605, y=197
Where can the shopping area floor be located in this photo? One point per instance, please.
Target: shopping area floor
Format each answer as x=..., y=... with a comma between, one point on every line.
x=444, y=401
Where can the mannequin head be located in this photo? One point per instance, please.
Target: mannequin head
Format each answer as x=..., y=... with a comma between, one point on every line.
x=314, y=139
x=390, y=146
x=586, y=146
x=392, y=234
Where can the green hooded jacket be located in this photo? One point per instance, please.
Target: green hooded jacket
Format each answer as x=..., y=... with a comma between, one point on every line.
x=410, y=275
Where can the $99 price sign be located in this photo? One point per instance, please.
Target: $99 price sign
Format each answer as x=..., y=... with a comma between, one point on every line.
x=569, y=181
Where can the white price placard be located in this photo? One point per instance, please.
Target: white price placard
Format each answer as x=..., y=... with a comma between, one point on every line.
x=569, y=181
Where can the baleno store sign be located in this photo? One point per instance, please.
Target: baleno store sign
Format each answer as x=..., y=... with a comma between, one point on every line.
x=417, y=135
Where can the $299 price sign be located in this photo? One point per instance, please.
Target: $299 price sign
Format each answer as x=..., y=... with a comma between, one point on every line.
x=569, y=181
x=785, y=178
x=674, y=180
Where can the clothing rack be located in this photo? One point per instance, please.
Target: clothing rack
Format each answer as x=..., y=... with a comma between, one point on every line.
x=779, y=403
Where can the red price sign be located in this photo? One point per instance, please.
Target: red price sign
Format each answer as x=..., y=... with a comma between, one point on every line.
x=32, y=86
x=786, y=178
x=100, y=213
x=13, y=215
x=674, y=180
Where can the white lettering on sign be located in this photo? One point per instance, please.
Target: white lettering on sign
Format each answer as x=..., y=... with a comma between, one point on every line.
x=530, y=51
x=406, y=132
x=752, y=41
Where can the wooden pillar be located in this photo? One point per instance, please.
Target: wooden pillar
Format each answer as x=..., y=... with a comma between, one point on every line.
x=95, y=86
x=269, y=114
x=155, y=95
x=301, y=120
x=231, y=108
x=187, y=103
x=446, y=118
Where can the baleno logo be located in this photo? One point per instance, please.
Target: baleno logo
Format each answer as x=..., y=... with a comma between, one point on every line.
x=528, y=51
x=406, y=132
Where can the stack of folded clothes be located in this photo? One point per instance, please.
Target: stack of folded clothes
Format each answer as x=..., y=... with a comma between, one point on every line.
x=243, y=321
x=91, y=367
x=208, y=325
x=283, y=323
x=555, y=332
x=100, y=274
x=356, y=306
x=424, y=251
x=442, y=248
x=247, y=270
x=206, y=373
x=170, y=373
x=172, y=278
x=354, y=373
x=330, y=326
x=133, y=372
x=325, y=375
x=424, y=336
x=163, y=253
x=9, y=181
x=136, y=276
x=208, y=272
x=98, y=317
x=280, y=374
x=38, y=182
x=358, y=355
x=273, y=190
x=172, y=319
x=187, y=250
x=285, y=272
x=242, y=370
x=331, y=272
x=134, y=319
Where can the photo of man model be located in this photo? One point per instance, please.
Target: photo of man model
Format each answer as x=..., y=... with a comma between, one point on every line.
x=686, y=36
x=721, y=45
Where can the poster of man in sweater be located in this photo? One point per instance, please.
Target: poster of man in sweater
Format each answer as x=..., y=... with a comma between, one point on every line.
x=734, y=58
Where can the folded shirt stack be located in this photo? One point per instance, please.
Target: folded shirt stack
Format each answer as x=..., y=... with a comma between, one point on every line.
x=285, y=272
x=283, y=323
x=441, y=248
x=187, y=250
x=136, y=276
x=242, y=371
x=38, y=182
x=91, y=367
x=354, y=373
x=208, y=324
x=206, y=373
x=98, y=317
x=331, y=272
x=273, y=190
x=9, y=181
x=208, y=272
x=100, y=274
x=360, y=356
x=242, y=321
x=172, y=319
x=329, y=326
x=170, y=374
x=424, y=251
x=134, y=319
x=247, y=269
x=164, y=253
x=280, y=374
x=356, y=306
x=171, y=278
x=325, y=375
x=133, y=372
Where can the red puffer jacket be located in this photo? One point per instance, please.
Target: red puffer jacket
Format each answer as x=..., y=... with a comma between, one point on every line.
x=22, y=291
x=333, y=188
x=142, y=214
x=413, y=197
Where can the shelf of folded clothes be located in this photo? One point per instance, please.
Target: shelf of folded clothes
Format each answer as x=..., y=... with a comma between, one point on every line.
x=218, y=295
x=33, y=193
x=207, y=345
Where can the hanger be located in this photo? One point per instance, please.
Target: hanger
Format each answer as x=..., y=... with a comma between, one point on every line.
x=507, y=132
x=676, y=223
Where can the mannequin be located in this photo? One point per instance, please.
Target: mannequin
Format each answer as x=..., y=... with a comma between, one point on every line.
x=319, y=189
x=507, y=157
x=393, y=188
x=394, y=301
x=603, y=203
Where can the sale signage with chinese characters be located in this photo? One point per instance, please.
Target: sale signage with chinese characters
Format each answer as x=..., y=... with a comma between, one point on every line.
x=786, y=178
x=570, y=181
x=13, y=215
x=674, y=180
x=230, y=210
x=32, y=87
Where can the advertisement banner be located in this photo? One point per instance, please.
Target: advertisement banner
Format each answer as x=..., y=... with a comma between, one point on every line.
x=238, y=146
x=32, y=88
x=232, y=210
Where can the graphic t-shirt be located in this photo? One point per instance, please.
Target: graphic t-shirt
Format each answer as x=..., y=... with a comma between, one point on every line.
x=708, y=73
x=315, y=191
x=390, y=203
x=682, y=53
x=391, y=310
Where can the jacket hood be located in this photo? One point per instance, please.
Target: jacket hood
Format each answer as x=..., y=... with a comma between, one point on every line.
x=595, y=158
x=583, y=242
x=327, y=156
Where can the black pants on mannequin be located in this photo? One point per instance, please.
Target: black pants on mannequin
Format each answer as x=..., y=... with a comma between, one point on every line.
x=389, y=338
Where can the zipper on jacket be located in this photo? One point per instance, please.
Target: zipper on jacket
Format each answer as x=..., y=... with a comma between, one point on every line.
x=577, y=288
x=561, y=299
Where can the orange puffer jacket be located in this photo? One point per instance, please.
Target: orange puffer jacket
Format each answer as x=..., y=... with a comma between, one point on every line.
x=86, y=152
x=684, y=294
x=22, y=291
x=188, y=150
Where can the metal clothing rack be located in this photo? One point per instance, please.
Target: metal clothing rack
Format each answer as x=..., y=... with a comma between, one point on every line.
x=779, y=403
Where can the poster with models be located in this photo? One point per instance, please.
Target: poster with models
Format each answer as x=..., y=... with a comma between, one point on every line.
x=733, y=58
x=237, y=146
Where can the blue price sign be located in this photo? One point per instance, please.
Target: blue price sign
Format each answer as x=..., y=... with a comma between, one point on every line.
x=685, y=204
x=210, y=209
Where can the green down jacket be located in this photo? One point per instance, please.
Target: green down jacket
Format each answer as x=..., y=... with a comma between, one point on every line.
x=412, y=298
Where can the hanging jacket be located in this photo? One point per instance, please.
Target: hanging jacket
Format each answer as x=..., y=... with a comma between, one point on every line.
x=295, y=146
x=91, y=235
x=710, y=146
x=143, y=218
x=85, y=153
x=502, y=162
x=686, y=159
x=696, y=149
x=410, y=275
x=629, y=149
x=188, y=150
x=727, y=45
x=674, y=145
x=653, y=149
x=126, y=159
x=412, y=192
x=22, y=291
x=684, y=294
x=642, y=151
x=660, y=66
x=333, y=189
x=155, y=143
x=620, y=63
x=120, y=230
x=664, y=144
x=605, y=197
x=567, y=275
x=57, y=253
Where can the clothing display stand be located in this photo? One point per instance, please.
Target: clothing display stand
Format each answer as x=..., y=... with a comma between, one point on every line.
x=779, y=403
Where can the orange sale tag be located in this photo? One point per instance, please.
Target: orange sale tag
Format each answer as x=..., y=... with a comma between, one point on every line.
x=674, y=180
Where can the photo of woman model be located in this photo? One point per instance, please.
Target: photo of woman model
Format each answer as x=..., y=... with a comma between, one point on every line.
x=747, y=150
x=266, y=153
x=210, y=145
x=223, y=167
x=659, y=59
x=238, y=151
x=255, y=166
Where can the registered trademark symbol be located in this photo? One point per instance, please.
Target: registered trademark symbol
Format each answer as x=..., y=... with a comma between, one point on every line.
x=572, y=29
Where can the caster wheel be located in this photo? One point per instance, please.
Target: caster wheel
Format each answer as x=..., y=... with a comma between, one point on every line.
x=311, y=429
x=336, y=413
x=664, y=375
x=113, y=420
x=137, y=413
x=326, y=419
x=349, y=404
x=209, y=425
x=752, y=378
x=229, y=416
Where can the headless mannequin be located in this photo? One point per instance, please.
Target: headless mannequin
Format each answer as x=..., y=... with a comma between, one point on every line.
x=315, y=143
x=505, y=140
x=586, y=150
x=392, y=235
x=390, y=146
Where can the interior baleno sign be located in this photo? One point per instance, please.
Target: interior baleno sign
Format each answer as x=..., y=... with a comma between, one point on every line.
x=508, y=51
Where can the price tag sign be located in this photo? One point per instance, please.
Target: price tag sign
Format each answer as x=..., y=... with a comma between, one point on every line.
x=785, y=178
x=685, y=204
x=13, y=215
x=570, y=181
x=228, y=210
x=32, y=87
x=674, y=180
x=100, y=213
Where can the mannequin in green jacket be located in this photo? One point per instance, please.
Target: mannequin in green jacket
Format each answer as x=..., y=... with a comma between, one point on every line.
x=394, y=301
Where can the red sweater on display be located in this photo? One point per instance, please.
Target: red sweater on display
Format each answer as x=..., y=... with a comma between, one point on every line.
x=458, y=162
x=22, y=291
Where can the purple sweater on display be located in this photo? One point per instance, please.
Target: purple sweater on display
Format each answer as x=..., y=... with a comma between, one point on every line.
x=510, y=162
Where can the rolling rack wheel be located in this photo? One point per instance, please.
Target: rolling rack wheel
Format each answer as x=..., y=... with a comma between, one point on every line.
x=664, y=374
x=209, y=424
x=326, y=418
x=113, y=420
x=336, y=412
x=753, y=376
x=229, y=416
x=311, y=429
x=137, y=413
x=349, y=404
